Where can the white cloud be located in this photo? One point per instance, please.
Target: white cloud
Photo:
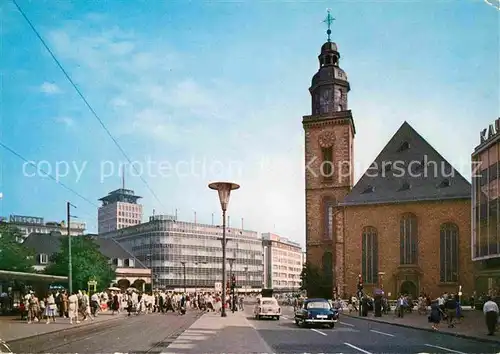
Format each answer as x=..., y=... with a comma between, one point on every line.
x=67, y=121
x=50, y=88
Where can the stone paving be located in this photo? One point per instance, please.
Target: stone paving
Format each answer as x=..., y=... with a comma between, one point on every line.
x=213, y=334
x=12, y=328
x=471, y=326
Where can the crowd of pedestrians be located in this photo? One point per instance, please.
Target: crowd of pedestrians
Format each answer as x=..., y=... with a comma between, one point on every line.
x=79, y=306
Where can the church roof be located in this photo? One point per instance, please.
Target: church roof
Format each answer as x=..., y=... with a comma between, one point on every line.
x=408, y=169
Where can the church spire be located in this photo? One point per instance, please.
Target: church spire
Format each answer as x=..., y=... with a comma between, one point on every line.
x=329, y=20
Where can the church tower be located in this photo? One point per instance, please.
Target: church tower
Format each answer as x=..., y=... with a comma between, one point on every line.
x=329, y=137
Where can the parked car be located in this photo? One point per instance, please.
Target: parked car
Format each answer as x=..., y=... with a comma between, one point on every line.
x=267, y=307
x=4, y=348
x=316, y=312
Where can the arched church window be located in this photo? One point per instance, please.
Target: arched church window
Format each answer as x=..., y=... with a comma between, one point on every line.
x=369, y=259
x=327, y=264
x=408, y=238
x=448, y=253
x=329, y=214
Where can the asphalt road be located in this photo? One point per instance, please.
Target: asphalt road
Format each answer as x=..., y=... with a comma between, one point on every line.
x=358, y=336
x=150, y=333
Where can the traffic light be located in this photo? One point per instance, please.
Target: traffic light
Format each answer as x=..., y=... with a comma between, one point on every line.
x=233, y=281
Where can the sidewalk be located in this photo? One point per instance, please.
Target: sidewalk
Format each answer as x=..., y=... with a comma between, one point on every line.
x=213, y=334
x=12, y=328
x=472, y=326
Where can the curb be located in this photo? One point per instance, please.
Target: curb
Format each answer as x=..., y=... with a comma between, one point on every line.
x=63, y=330
x=459, y=335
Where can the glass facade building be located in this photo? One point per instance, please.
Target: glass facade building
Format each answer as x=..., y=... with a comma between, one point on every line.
x=185, y=254
x=486, y=211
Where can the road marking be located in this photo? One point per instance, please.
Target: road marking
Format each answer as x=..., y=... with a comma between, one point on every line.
x=317, y=331
x=346, y=324
x=443, y=348
x=384, y=334
x=285, y=317
x=358, y=349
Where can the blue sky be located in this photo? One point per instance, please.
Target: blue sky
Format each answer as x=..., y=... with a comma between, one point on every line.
x=225, y=85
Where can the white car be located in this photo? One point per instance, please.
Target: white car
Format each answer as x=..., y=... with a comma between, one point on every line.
x=267, y=307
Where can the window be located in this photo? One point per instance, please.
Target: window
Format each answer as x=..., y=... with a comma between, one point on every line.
x=493, y=173
x=369, y=189
x=318, y=305
x=340, y=108
x=327, y=265
x=408, y=239
x=369, y=259
x=44, y=259
x=448, y=253
x=444, y=183
x=405, y=186
x=404, y=146
x=327, y=164
x=328, y=212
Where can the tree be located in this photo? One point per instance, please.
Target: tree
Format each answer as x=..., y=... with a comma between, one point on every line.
x=87, y=262
x=13, y=255
x=315, y=282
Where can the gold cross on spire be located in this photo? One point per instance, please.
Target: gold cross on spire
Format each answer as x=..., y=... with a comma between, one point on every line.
x=329, y=20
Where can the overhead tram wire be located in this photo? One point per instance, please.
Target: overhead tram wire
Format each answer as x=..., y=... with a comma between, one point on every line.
x=47, y=174
x=79, y=92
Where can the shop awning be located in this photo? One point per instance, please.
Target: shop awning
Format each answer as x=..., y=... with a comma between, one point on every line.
x=11, y=275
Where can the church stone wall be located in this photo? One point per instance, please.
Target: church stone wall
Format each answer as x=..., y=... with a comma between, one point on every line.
x=386, y=219
x=318, y=191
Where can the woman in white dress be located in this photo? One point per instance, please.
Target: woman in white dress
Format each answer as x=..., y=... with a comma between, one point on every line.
x=50, y=308
x=73, y=308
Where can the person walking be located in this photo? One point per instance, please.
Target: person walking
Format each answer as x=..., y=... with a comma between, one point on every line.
x=490, y=310
x=51, y=308
x=451, y=310
x=435, y=315
x=73, y=307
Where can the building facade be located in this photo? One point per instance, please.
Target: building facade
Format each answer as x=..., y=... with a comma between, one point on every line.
x=403, y=226
x=129, y=271
x=35, y=224
x=119, y=209
x=486, y=211
x=282, y=263
x=185, y=254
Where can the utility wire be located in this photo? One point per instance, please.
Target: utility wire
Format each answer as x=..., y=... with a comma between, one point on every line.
x=79, y=92
x=31, y=163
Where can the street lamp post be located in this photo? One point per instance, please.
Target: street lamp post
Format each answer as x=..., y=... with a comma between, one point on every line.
x=224, y=189
x=231, y=262
x=246, y=278
x=70, y=260
x=184, y=276
x=198, y=264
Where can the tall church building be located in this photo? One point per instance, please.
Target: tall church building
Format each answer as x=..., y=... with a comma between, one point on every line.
x=404, y=227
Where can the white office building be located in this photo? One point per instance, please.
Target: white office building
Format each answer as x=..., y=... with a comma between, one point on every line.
x=119, y=210
x=186, y=254
x=35, y=224
x=283, y=260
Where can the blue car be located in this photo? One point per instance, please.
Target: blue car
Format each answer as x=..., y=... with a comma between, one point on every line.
x=316, y=312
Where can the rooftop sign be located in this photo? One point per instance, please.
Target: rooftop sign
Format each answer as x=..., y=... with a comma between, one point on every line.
x=29, y=220
x=490, y=132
